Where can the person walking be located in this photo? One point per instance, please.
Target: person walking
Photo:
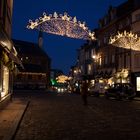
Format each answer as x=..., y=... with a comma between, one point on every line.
x=84, y=91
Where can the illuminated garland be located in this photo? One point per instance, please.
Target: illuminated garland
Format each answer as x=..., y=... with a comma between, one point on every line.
x=62, y=79
x=126, y=40
x=63, y=25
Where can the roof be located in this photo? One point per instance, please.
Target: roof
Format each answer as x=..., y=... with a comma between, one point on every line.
x=24, y=47
x=125, y=8
x=7, y=44
x=34, y=68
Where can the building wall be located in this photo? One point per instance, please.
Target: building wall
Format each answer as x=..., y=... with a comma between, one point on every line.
x=36, y=72
x=5, y=23
x=109, y=58
x=124, y=17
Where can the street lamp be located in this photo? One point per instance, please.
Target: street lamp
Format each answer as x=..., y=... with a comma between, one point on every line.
x=94, y=56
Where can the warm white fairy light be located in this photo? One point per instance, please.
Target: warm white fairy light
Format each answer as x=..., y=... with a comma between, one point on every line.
x=62, y=79
x=126, y=40
x=62, y=25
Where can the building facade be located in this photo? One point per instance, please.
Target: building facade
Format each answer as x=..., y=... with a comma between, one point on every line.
x=36, y=72
x=8, y=53
x=107, y=62
x=120, y=62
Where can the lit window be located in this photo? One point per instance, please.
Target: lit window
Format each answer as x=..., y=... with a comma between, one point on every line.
x=89, y=69
x=100, y=61
x=5, y=82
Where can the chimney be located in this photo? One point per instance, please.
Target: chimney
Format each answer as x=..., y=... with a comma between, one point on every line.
x=40, y=39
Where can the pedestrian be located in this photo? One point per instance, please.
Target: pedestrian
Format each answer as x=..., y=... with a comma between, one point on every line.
x=84, y=91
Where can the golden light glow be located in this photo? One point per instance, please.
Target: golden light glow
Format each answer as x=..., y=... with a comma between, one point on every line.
x=63, y=25
x=62, y=79
x=126, y=40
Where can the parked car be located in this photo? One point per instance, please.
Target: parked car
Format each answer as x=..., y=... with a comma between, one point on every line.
x=121, y=90
x=97, y=89
x=61, y=88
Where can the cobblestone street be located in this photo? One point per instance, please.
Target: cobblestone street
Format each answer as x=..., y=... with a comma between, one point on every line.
x=64, y=117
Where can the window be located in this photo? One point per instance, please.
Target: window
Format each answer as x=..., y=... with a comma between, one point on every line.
x=0, y=9
x=89, y=69
x=30, y=77
x=5, y=81
x=137, y=60
x=105, y=40
x=87, y=55
x=127, y=21
x=99, y=43
x=113, y=58
x=137, y=17
x=120, y=25
x=19, y=77
x=106, y=60
x=105, y=20
x=100, y=61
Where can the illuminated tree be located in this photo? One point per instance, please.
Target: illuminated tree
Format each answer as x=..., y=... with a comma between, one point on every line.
x=63, y=25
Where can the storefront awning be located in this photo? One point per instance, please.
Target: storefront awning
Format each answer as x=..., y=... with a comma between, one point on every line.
x=7, y=44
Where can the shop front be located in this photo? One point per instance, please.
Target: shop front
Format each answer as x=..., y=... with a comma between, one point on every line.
x=136, y=81
x=8, y=60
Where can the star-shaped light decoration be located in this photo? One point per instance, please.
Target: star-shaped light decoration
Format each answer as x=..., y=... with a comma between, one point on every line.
x=63, y=25
x=127, y=40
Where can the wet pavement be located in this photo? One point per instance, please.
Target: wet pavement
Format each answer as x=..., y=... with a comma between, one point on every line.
x=51, y=116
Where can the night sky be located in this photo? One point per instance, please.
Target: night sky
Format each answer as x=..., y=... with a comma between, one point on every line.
x=61, y=50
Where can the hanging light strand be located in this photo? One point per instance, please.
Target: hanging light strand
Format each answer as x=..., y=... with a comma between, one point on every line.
x=126, y=40
x=62, y=25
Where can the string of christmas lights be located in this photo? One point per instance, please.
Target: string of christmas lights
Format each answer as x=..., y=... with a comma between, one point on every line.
x=127, y=40
x=63, y=25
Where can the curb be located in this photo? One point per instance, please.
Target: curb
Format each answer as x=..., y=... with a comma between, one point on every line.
x=11, y=135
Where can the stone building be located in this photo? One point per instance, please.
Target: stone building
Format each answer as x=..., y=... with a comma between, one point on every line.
x=36, y=62
x=120, y=62
x=8, y=53
x=105, y=62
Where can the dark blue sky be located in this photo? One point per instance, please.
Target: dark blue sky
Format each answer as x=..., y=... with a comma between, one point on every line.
x=62, y=50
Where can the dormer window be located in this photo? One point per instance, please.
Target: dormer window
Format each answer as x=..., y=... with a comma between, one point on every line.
x=99, y=43
x=137, y=17
x=120, y=25
x=100, y=24
x=105, y=40
x=113, y=13
x=105, y=20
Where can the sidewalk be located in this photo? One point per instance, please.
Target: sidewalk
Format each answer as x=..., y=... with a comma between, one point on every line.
x=10, y=117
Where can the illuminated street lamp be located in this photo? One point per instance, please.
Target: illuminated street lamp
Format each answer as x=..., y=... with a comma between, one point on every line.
x=94, y=57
